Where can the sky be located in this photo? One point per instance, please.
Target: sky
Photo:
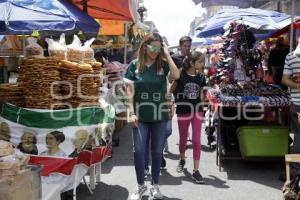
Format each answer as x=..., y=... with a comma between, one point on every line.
x=172, y=17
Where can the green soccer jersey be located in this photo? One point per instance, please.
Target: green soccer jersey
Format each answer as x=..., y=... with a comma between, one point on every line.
x=150, y=102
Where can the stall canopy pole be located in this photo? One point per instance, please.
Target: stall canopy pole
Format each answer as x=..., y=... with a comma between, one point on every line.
x=23, y=44
x=292, y=26
x=85, y=6
x=125, y=41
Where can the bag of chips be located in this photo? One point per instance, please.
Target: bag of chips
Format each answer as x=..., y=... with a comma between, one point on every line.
x=33, y=49
x=88, y=51
x=75, y=50
x=57, y=49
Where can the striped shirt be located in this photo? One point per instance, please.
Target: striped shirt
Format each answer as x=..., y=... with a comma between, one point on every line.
x=292, y=68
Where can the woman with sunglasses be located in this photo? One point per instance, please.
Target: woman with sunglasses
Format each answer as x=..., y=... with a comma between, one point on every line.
x=148, y=107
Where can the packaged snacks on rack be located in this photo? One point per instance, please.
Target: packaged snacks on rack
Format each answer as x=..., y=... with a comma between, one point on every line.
x=33, y=49
x=75, y=51
x=88, y=51
x=57, y=49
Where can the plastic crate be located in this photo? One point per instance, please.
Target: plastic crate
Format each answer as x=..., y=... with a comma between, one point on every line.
x=263, y=141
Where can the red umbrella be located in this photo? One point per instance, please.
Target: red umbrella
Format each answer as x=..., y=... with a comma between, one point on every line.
x=106, y=9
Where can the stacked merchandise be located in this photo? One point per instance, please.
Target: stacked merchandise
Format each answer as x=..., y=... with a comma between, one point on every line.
x=40, y=79
x=80, y=88
x=253, y=93
x=15, y=178
x=97, y=66
x=12, y=93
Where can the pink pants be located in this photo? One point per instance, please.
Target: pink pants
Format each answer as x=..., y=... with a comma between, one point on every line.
x=184, y=121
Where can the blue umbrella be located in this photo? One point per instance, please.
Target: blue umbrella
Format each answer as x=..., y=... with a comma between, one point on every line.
x=197, y=42
x=256, y=18
x=239, y=3
x=25, y=16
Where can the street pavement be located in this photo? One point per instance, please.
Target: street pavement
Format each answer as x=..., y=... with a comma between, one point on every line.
x=238, y=180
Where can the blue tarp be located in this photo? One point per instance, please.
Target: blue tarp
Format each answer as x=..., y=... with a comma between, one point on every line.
x=25, y=16
x=238, y=3
x=256, y=18
x=197, y=42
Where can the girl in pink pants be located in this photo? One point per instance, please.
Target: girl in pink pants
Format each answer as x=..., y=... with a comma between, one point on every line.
x=189, y=98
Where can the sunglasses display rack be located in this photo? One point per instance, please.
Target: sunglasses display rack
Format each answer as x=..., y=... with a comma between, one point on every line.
x=238, y=87
x=239, y=75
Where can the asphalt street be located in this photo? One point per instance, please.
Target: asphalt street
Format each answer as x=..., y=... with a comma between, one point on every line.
x=238, y=180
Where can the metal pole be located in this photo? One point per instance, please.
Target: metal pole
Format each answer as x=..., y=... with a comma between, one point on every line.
x=292, y=26
x=85, y=6
x=125, y=43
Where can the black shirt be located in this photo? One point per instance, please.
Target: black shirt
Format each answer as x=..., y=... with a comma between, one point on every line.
x=277, y=56
x=178, y=60
x=187, y=93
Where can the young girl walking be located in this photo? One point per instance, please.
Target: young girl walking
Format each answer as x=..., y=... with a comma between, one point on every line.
x=189, y=99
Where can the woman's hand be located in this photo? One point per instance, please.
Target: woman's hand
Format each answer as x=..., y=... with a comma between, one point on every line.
x=133, y=121
x=166, y=50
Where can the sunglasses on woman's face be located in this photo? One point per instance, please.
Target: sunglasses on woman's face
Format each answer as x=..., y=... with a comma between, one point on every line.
x=154, y=49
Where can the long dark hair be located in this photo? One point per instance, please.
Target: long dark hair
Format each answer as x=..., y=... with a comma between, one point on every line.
x=59, y=136
x=191, y=59
x=142, y=52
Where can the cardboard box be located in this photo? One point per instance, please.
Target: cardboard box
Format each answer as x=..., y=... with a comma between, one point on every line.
x=18, y=189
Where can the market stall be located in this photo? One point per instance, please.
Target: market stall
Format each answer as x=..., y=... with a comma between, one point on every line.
x=56, y=101
x=245, y=109
x=23, y=18
x=66, y=143
x=59, y=118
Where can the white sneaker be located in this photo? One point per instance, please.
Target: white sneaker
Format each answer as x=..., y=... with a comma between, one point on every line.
x=138, y=192
x=155, y=192
x=146, y=174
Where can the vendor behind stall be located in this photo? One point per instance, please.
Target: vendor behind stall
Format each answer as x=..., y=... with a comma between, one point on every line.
x=291, y=79
x=276, y=61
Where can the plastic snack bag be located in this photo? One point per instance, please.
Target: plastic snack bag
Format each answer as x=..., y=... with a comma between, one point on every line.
x=88, y=51
x=57, y=49
x=75, y=51
x=33, y=49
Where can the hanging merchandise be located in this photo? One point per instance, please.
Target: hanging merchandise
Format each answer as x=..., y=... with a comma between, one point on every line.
x=239, y=73
x=239, y=43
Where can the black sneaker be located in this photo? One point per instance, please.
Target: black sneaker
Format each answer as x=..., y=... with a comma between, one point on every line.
x=180, y=166
x=163, y=163
x=197, y=177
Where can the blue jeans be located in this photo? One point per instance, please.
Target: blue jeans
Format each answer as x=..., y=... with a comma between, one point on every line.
x=168, y=132
x=156, y=130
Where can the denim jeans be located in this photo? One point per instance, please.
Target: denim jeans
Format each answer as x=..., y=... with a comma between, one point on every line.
x=168, y=132
x=156, y=130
